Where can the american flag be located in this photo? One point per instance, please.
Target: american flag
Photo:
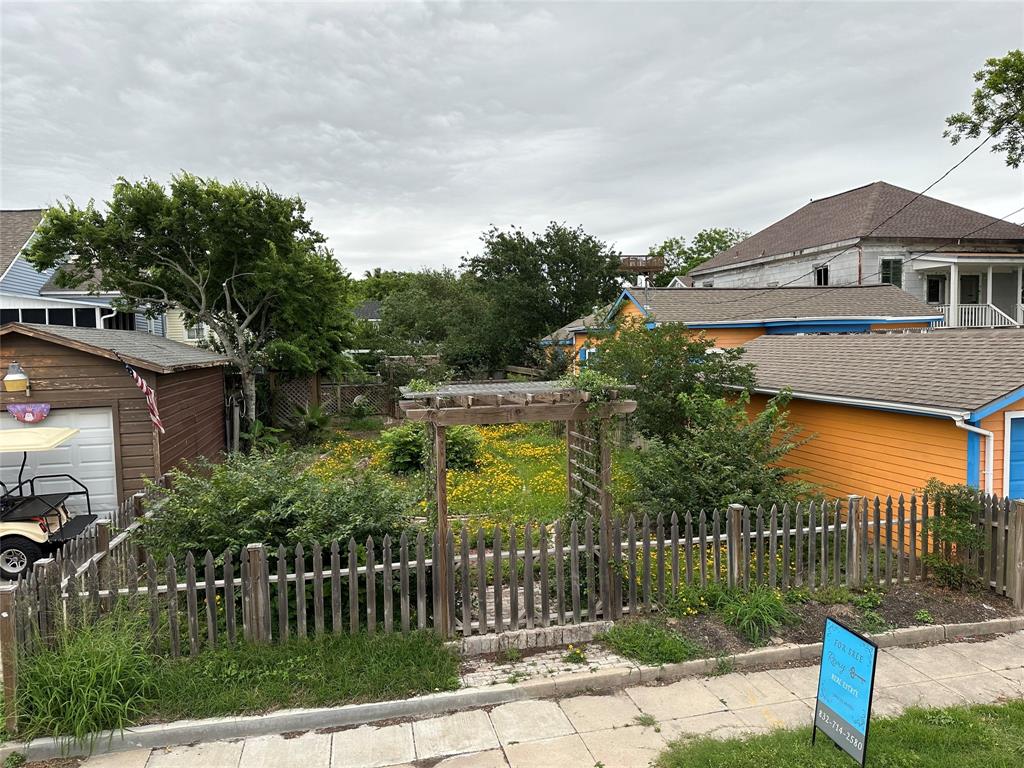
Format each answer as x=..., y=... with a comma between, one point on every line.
x=154, y=414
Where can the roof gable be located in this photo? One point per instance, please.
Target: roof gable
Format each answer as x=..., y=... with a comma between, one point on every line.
x=143, y=350
x=857, y=213
x=16, y=227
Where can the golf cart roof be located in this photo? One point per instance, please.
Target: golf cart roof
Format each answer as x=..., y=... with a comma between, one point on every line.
x=14, y=440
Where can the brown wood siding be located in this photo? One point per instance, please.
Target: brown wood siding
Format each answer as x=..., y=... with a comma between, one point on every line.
x=192, y=410
x=69, y=378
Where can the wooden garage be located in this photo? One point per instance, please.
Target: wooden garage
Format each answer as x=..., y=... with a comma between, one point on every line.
x=78, y=373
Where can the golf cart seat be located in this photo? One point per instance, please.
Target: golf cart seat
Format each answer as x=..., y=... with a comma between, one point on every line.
x=16, y=508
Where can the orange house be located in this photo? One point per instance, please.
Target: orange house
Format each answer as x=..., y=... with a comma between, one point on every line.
x=732, y=317
x=887, y=412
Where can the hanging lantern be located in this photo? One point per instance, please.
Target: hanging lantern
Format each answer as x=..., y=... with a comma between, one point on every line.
x=16, y=379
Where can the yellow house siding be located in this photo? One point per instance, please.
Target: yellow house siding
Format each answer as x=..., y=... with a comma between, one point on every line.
x=869, y=453
x=176, y=327
x=726, y=338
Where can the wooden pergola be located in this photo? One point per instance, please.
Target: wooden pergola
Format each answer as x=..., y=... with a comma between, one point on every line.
x=510, y=402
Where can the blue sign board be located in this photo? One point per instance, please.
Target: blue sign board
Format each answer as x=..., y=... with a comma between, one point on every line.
x=846, y=682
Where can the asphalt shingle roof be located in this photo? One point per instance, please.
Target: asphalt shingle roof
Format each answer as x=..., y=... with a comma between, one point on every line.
x=367, y=310
x=960, y=369
x=16, y=227
x=857, y=213
x=715, y=305
x=593, y=320
x=145, y=350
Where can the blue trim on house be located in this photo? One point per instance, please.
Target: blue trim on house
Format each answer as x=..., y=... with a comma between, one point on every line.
x=618, y=303
x=790, y=329
x=974, y=459
x=998, y=405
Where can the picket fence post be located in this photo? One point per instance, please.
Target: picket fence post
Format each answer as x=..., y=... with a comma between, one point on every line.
x=853, y=534
x=258, y=594
x=1015, y=574
x=734, y=550
x=9, y=656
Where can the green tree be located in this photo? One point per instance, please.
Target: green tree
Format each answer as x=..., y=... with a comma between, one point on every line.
x=380, y=283
x=680, y=258
x=664, y=363
x=241, y=259
x=997, y=108
x=533, y=283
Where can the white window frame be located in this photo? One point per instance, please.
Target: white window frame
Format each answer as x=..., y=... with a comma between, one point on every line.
x=1007, y=420
x=196, y=332
x=894, y=263
x=819, y=270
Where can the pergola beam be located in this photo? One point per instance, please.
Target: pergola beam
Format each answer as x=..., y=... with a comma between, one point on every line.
x=519, y=414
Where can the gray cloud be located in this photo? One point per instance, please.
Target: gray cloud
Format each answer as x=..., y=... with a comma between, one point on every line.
x=409, y=128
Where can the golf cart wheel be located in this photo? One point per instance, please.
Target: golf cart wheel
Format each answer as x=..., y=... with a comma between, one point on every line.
x=17, y=554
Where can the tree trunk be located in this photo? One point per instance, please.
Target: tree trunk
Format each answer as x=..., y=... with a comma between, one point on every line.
x=249, y=393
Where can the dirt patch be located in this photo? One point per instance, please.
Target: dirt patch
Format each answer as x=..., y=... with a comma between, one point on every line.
x=708, y=631
x=59, y=762
x=901, y=603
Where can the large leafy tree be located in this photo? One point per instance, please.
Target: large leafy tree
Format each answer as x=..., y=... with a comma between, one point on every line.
x=997, y=108
x=243, y=260
x=681, y=257
x=537, y=282
x=665, y=363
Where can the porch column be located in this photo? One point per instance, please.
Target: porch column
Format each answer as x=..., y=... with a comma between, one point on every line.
x=988, y=289
x=1019, y=303
x=954, y=295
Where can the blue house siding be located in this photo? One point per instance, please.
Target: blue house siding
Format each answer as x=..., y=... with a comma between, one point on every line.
x=23, y=280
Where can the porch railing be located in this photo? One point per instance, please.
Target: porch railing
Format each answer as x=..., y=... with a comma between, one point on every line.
x=978, y=316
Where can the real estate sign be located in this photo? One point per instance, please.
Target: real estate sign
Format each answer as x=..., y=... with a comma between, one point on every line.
x=846, y=682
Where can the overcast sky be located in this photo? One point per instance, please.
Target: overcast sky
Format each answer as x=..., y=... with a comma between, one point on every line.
x=409, y=128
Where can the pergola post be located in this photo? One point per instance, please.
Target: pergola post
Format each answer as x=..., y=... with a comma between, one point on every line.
x=570, y=427
x=441, y=622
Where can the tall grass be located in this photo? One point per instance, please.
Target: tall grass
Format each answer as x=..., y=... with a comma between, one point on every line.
x=98, y=677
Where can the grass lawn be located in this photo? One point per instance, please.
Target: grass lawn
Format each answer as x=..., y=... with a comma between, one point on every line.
x=321, y=672
x=105, y=676
x=976, y=737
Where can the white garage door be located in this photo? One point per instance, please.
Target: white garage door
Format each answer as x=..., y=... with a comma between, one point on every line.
x=88, y=456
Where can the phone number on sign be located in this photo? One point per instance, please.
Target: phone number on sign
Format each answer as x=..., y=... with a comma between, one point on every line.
x=838, y=728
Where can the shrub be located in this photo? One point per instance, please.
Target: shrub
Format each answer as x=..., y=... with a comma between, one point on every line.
x=956, y=510
x=366, y=504
x=757, y=613
x=406, y=447
x=310, y=424
x=269, y=498
x=97, y=677
x=724, y=457
x=649, y=643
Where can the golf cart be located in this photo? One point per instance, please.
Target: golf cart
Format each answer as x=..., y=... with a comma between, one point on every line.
x=34, y=524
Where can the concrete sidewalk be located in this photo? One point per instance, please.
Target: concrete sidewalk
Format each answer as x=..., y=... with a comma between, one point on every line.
x=623, y=730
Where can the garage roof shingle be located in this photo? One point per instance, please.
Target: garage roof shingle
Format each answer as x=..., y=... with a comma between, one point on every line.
x=144, y=350
x=961, y=369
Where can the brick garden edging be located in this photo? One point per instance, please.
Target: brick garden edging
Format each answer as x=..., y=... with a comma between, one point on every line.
x=215, y=729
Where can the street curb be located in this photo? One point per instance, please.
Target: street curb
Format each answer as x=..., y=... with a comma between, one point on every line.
x=601, y=681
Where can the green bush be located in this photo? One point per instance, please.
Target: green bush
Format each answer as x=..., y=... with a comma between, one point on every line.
x=269, y=498
x=724, y=457
x=97, y=677
x=649, y=643
x=956, y=510
x=757, y=613
x=406, y=447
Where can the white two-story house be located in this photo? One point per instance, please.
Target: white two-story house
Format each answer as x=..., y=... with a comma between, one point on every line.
x=968, y=265
x=28, y=295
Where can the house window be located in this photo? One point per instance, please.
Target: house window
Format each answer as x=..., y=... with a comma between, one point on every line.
x=122, y=321
x=9, y=316
x=936, y=289
x=33, y=316
x=60, y=317
x=708, y=284
x=892, y=272
x=821, y=275
x=196, y=332
x=85, y=318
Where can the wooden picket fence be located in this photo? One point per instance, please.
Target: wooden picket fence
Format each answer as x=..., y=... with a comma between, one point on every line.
x=500, y=580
